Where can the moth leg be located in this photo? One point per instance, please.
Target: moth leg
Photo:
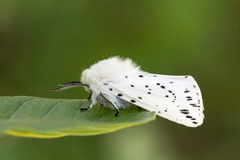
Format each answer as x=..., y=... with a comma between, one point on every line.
x=114, y=105
x=90, y=96
x=139, y=108
x=83, y=109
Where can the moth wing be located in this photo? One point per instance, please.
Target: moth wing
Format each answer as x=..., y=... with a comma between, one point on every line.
x=177, y=98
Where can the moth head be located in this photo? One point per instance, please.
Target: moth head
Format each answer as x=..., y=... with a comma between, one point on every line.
x=84, y=76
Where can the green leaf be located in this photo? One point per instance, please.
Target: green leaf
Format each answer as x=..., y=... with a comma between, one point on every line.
x=48, y=118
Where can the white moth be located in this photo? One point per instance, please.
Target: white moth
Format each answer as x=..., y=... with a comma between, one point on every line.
x=117, y=83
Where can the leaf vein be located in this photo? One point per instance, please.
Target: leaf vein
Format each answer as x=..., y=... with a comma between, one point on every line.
x=78, y=112
x=12, y=116
x=51, y=109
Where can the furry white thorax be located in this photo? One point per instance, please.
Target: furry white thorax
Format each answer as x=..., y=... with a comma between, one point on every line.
x=111, y=70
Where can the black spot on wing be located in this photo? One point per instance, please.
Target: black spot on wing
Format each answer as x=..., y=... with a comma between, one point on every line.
x=126, y=76
x=146, y=86
x=110, y=89
x=139, y=97
x=189, y=98
x=158, y=84
x=175, y=97
x=199, y=101
x=120, y=95
x=133, y=101
x=149, y=92
x=132, y=85
x=184, y=111
x=194, y=105
x=186, y=91
x=163, y=87
x=140, y=76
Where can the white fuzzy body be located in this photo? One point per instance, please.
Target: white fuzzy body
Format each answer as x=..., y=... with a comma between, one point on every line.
x=177, y=98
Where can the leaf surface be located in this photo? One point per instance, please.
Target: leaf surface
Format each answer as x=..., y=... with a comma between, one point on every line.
x=49, y=118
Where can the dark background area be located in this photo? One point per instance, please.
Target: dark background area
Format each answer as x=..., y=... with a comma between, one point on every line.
x=44, y=43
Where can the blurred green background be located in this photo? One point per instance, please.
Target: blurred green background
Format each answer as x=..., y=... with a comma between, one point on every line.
x=44, y=43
